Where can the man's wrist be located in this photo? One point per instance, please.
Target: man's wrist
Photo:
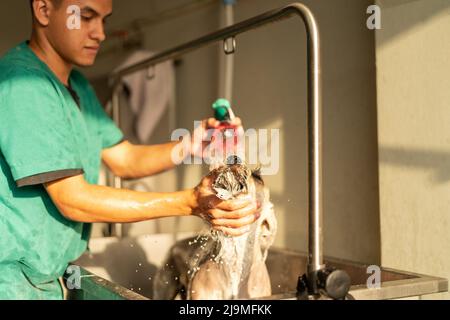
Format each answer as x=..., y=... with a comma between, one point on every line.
x=190, y=200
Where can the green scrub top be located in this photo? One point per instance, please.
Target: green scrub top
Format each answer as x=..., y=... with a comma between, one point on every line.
x=43, y=132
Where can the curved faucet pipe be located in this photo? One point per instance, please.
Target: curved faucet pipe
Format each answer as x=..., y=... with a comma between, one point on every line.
x=315, y=206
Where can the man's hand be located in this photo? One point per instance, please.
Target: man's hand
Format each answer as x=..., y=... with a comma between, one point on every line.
x=232, y=217
x=200, y=139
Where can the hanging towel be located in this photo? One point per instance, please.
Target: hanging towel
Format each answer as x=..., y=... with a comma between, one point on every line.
x=150, y=92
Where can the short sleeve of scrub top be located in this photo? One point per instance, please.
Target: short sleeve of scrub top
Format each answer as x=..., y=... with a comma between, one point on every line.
x=34, y=134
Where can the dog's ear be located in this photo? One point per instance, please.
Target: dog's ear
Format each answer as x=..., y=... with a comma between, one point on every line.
x=256, y=173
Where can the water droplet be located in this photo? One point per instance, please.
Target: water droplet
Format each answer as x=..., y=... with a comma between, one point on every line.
x=176, y=278
x=139, y=289
x=136, y=270
x=149, y=278
x=140, y=264
x=167, y=282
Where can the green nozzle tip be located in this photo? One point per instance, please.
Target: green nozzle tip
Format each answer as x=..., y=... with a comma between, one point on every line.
x=222, y=103
x=221, y=107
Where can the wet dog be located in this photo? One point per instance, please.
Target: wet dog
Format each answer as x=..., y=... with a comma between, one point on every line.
x=213, y=266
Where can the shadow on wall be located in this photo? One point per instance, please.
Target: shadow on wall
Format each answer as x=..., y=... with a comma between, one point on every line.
x=419, y=12
x=437, y=163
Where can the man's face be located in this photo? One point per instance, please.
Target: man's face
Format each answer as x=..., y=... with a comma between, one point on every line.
x=78, y=46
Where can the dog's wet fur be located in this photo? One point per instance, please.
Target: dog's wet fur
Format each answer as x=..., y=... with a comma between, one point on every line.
x=215, y=266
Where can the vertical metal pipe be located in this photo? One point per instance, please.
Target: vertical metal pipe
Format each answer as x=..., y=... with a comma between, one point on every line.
x=229, y=58
x=116, y=229
x=315, y=204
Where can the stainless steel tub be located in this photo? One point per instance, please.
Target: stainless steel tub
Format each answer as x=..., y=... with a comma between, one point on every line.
x=124, y=269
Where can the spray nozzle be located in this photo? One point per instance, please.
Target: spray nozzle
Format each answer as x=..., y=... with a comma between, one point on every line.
x=223, y=111
x=223, y=134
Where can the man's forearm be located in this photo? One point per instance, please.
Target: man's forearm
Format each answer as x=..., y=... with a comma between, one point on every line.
x=82, y=202
x=150, y=160
x=130, y=161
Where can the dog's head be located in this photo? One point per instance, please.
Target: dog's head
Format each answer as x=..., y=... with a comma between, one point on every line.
x=236, y=178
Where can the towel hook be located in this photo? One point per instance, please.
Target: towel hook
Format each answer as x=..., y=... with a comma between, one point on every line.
x=151, y=72
x=226, y=46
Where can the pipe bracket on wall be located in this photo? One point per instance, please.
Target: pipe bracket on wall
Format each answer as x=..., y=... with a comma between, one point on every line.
x=229, y=45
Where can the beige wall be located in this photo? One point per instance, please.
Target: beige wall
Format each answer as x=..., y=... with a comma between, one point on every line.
x=270, y=92
x=414, y=135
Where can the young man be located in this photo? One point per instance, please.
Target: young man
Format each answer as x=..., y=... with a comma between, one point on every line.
x=53, y=136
